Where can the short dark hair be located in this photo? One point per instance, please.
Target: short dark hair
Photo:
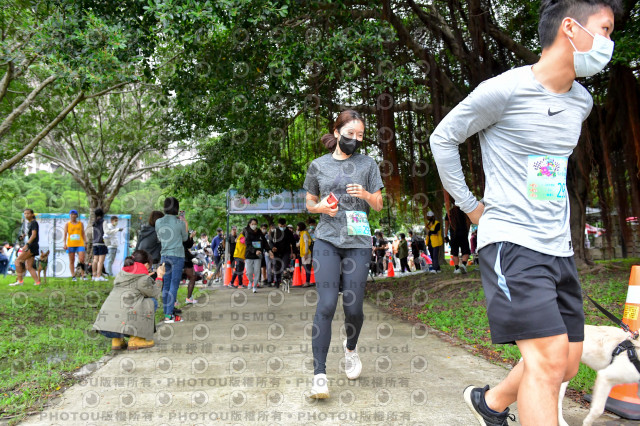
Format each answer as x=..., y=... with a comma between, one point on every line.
x=264, y=225
x=311, y=220
x=171, y=206
x=99, y=212
x=402, y=236
x=155, y=215
x=282, y=221
x=139, y=256
x=114, y=217
x=302, y=226
x=552, y=12
x=28, y=210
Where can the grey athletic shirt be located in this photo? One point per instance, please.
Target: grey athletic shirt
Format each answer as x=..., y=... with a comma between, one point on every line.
x=325, y=175
x=527, y=134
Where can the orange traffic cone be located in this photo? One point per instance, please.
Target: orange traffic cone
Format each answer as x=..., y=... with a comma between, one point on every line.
x=623, y=399
x=227, y=274
x=312, y=280
x=245, y=278
x=297, y=279
x=451, y=261
x=390, y=271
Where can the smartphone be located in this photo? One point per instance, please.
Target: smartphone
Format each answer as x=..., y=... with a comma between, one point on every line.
x=332, y=199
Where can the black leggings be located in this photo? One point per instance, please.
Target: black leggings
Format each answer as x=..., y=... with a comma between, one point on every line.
x=332, y=266
x=239, y=271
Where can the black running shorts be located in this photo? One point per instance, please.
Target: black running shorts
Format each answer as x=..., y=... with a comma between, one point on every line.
x=460, y=244
x=530, y=294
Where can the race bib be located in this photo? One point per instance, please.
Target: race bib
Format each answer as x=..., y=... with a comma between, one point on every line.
x=256, y=244
x=74, y=237
x=547, y=178
x=357, y=223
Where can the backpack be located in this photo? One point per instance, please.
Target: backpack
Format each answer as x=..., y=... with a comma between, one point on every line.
x=221, y=248
x=98, y=231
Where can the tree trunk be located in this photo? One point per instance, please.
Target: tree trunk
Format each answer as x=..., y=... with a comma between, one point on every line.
x=387, y=143
x=578, y=185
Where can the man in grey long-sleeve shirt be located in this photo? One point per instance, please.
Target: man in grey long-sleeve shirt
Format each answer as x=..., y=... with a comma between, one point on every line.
x=529, y=121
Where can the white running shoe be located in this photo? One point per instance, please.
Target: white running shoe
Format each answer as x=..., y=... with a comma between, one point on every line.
x=352, y=364
x=101, y=278
x=320, y=387
x=254, y=290
x=457, y=271
x=463, y=268
x=16, y=283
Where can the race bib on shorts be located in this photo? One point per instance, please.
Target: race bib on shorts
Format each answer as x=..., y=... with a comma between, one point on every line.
x=74, y=237
x=357, y=223
x=547, y=178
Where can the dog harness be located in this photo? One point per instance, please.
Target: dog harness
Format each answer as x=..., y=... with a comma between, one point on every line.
x=629, y=347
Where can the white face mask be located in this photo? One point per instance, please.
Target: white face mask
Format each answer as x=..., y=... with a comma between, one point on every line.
x=282, y=228
x=253, y=227
x=595, y=59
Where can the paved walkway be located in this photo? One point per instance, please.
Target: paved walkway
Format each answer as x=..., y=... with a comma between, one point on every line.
x=242, y=358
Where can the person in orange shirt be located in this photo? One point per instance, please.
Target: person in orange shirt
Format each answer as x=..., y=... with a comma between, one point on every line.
x=74, y=243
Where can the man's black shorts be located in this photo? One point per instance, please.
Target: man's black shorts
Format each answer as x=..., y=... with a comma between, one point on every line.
x=530, y=294
x=460, y=244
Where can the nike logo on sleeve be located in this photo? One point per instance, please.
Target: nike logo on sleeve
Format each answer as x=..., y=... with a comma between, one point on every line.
x=551, y=114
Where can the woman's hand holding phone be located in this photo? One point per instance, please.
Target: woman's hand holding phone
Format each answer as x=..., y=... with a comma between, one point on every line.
x=329, y=205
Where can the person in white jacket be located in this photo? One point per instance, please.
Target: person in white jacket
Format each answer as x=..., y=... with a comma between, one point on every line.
x=111, y=231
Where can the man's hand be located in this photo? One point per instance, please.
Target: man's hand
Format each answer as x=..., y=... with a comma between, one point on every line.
x=476, y=213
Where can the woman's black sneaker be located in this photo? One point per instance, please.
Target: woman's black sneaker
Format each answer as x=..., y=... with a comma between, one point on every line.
x=474, y=397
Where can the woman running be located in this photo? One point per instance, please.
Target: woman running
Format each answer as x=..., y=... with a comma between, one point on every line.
x=341, y=186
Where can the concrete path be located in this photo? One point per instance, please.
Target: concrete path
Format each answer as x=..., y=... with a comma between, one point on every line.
x=242, y=358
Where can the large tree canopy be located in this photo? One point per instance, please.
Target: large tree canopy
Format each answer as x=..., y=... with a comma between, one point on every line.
x=266, y=78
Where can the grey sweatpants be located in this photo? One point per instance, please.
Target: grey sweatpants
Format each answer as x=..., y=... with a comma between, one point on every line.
x=253, y=271
x=331, y=266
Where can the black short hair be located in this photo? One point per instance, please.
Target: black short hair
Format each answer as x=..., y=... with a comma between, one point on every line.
x=302, y=226
x=282, y=221
x=402, y=236
x=29, y=210
x=264, y=225
x=171, y=206
x=114, y=217
x=99, y=212
x=552, y=12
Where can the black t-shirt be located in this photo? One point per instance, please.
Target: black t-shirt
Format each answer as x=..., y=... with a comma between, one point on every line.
x=458, y=228
x=34, y=247
x=381, y=247
x=232, y=244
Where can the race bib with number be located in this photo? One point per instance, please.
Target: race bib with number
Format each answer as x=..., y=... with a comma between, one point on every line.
x=74, y=237
x=357, y=223
x=256, y=244
x=547, y=178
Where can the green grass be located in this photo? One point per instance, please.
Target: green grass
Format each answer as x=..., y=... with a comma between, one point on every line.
x=45, y=336
x=460, y=311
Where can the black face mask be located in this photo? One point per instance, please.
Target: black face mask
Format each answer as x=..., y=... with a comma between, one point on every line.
x=347, y=145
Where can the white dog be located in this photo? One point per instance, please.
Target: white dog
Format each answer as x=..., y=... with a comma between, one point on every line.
x=599, y=343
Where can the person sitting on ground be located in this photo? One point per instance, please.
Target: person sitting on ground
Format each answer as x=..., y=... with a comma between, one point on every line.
x=129, y=310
